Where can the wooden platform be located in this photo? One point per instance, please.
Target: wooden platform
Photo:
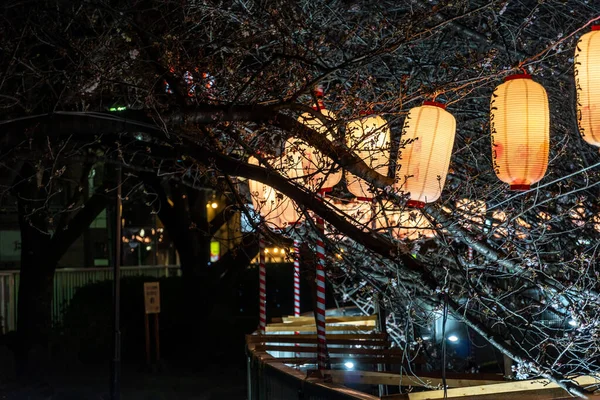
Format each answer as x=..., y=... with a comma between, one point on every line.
x=354, y=339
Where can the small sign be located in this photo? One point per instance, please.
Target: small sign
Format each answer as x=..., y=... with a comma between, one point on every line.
x=215, y=251
x=152, y=297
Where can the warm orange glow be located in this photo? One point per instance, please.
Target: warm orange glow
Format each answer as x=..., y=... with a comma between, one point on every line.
x=277, y=210
x=587, y=84
x=428, y=136
x=499, y=225
x=318, y=167
x=369, y=138
x=472, y=210
x=577, y=215
x=596, y=221
x=359, y=213
x=520, y=128
x=544, y=216
x=404, y=224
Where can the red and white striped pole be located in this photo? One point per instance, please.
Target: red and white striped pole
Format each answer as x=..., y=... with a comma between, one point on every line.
x=297, y=278
x=262, y=287
x=322, y=354
x=297, y=284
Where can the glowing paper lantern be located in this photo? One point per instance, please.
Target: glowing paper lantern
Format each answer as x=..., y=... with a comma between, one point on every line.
x=319, y=170
x=404, y=224
x=278, y=210
x=359, y=213
x=428, y=133
x=587, y=84
x=369, y=138
x=520, y=127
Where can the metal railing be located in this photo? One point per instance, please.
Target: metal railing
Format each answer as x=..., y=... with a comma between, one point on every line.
x=272, y=380
x=66, y=283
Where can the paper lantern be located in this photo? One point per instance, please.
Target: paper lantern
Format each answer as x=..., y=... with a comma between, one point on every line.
x=428, y=134
x=359, y=213
x=587, y=85
x=403, y=224
x=319, y=170
x=520, y=128
x=278, y=210
x=369, y=138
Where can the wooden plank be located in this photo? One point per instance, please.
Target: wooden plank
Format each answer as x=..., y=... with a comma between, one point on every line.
x=542, y=394
x=292, y=339
x=550, y=394
x=358, y=359
x=312, y=328
x=331, y=320
x=496, y=389
x=350, y=338
x=356, y=336
x=496, y=378
x=366, y=322
x=386, y=378
x=333, y=350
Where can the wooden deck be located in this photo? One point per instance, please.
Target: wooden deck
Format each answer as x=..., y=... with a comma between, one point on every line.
x=355, y=339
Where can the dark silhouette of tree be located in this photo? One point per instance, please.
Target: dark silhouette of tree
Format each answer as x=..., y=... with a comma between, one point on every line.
x=197, y=87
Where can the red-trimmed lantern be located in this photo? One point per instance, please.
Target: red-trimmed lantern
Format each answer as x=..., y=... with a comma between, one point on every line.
x=369, y=138
x=319, y=170
x=587, y=85
x=520, y=128
x=278, y=210
x=428, y=138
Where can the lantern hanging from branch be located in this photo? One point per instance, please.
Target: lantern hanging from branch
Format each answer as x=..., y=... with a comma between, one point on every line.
x=403, y=224
x=587, y=84
x=278, y=210
x=428, y=138
x=369, y=138
x=319, y=170
x=358, y=213
x=520, y=128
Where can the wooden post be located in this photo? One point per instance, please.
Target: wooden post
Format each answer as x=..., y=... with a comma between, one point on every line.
x=115, y=379
x=147, y=324
x=156, y=337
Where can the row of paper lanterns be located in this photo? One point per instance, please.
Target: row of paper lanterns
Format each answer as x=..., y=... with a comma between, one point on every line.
x=519, y=124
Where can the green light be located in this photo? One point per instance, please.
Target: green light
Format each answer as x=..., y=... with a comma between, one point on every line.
x=121, y=108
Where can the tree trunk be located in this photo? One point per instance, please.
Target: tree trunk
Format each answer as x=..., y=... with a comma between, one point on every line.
x=34, y=312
